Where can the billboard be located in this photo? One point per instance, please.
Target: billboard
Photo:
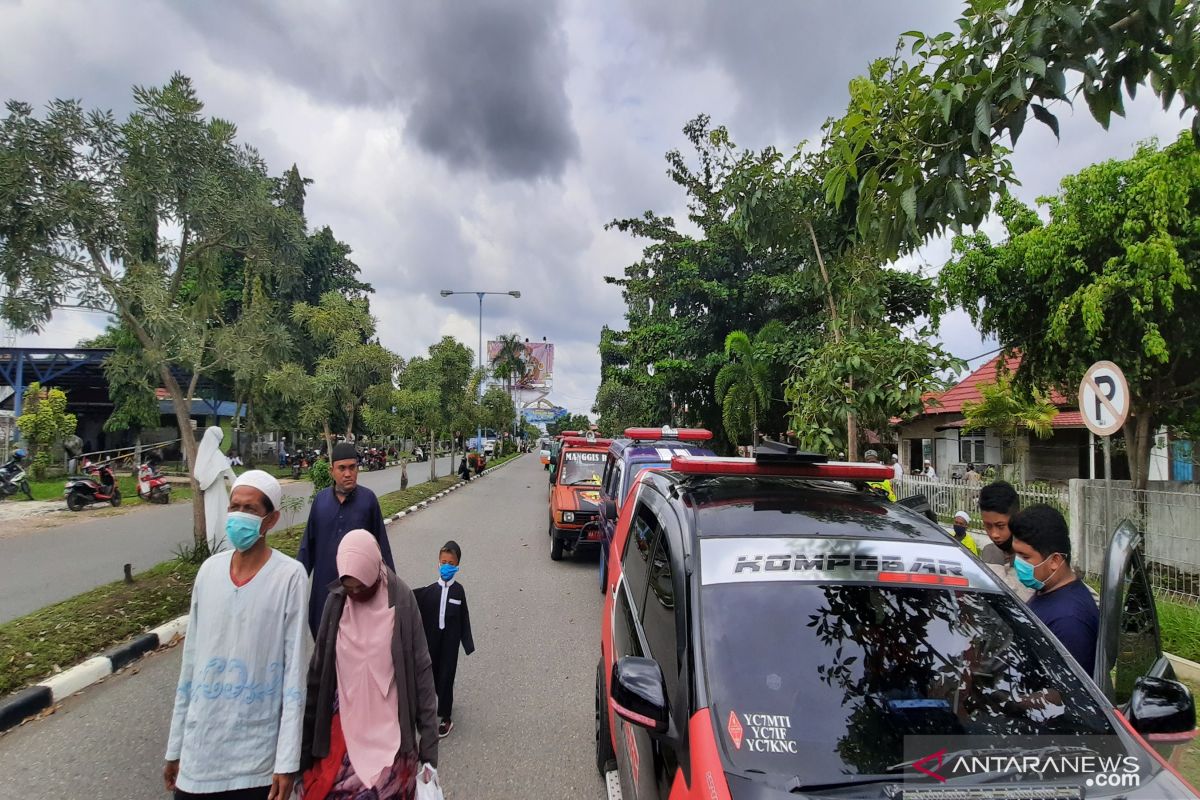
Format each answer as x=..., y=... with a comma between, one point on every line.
x=539, y=364
x=543, y=416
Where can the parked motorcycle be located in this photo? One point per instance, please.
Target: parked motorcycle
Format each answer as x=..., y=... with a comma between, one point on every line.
x=97, y=485
x=152, y=487
x=12, y=477
x=419, y=454
x=374, y=459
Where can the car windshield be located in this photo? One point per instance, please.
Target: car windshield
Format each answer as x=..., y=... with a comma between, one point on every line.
x=830, y=678
x=580, y=468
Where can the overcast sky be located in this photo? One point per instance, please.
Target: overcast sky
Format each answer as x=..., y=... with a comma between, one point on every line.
x=483, y=144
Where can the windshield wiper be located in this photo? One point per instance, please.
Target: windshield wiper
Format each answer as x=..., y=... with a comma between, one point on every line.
x=796, y=787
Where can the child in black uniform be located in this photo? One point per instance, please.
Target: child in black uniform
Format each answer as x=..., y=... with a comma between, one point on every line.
x=447, y=625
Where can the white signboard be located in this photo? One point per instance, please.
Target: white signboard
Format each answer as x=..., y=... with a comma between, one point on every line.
x=1104, y=398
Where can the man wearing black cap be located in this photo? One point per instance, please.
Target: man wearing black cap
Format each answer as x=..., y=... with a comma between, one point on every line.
x=343, y=507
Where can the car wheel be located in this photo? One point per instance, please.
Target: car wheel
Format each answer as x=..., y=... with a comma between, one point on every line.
x=606, y=759
x=76, y=501
x=556, y=545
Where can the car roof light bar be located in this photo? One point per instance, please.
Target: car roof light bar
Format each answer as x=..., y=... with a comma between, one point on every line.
x=580, y=441
x=830, y=471
x=666, y=432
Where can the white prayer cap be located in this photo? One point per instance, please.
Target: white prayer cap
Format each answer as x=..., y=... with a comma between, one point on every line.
x=962, y=515
x=263, y=481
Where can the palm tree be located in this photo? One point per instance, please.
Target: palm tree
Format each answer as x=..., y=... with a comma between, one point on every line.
x=1009, y=413
x=509, y=363
x=742, y=387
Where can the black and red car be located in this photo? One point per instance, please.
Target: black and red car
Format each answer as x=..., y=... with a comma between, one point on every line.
x=775, y=629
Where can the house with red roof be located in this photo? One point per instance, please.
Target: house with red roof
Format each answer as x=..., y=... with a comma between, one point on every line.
x=937, y=434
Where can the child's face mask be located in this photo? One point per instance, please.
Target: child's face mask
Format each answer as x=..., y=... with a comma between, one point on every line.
x=447, y=571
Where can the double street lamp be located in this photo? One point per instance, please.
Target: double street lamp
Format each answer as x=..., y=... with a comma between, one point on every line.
x=480, y=295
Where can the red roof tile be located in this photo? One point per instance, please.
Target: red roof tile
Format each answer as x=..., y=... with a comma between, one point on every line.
x=967, y=390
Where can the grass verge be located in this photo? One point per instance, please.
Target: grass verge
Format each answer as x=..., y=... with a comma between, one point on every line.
x=56, y=637
x=53, y=490
x=1179, y=624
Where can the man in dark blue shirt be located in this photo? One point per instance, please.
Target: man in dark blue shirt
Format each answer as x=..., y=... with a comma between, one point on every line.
x=343, y=507
x=1043, y=562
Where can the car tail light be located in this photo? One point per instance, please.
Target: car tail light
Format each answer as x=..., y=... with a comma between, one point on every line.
x=668, y=433
x=830, y=471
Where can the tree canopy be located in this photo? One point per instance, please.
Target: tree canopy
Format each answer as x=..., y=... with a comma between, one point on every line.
x=1114, y=275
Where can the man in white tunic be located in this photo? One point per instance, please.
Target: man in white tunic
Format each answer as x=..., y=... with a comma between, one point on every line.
x=239, y=706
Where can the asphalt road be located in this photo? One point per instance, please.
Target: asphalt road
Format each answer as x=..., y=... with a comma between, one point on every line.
x=523, y=704
x=43, y=565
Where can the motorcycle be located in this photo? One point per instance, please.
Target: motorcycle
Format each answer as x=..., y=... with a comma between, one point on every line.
x=419, y=454
x=97, y=485
x=300, y=463
x=375, y=459
x=12, y=477
x=152, y=487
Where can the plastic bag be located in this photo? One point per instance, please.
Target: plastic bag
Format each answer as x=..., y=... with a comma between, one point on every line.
x=431, y=790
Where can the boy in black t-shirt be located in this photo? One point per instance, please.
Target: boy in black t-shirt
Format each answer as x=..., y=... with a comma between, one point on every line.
x=1043, y=563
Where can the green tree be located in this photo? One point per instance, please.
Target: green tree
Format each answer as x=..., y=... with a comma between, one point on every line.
x=497, y=409
x=344, y=375
x=743, y=388
x=919, y=147
x=83, y=199
x=1113, y=275
x=44, y=421
x=131, y=381
x=1010, y=413
x=572, y=422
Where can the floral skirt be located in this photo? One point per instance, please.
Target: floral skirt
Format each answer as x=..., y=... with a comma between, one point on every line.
x=333, y=778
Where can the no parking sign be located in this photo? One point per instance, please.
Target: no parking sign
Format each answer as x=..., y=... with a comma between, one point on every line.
x=1104, y=398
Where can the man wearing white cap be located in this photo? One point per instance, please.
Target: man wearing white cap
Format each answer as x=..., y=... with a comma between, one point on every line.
x=239, y=706
x=961, y=520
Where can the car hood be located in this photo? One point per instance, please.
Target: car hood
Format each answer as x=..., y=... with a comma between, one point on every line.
x=577, y=498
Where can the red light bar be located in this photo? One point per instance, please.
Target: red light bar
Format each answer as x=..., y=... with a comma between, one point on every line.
x=561, y=434
x=923, y=578
x=579, y=441
x=830, y=471
x=668, y=433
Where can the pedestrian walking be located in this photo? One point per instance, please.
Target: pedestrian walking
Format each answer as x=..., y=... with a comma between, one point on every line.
x=1043, y=563
x=897, y=468
x=973, y=477
x=336, y=510
x=447, y=624
x=370, y=722
x=239, y=704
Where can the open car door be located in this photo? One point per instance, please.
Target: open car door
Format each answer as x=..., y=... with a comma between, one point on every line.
x=1131, y=667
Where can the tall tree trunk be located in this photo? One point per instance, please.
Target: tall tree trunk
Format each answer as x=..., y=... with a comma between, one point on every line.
x=852, y=432
x=349, y=422
x=433, y=455
x=1139, y=441
x=328, y=441
x=251, y=429
x=187, y=439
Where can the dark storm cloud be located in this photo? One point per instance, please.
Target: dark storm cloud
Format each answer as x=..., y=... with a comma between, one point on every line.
x=482, y=81
x=790, y=60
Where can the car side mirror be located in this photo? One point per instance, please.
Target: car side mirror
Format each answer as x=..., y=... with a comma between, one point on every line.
x=610, y=510
x=639, y=693
x=1161, y=709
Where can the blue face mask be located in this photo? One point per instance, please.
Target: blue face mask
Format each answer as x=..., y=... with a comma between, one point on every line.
x=1025, y=572
x=243, y=529
x=447, y=571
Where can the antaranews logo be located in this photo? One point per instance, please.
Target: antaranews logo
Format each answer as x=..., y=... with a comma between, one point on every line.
x=1097, y=762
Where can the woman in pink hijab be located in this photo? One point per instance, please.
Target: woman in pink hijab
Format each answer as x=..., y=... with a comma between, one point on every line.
x=370, y=722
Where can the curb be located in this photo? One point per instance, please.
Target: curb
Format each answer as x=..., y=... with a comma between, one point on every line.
x=1185, y=669
x=33, y=700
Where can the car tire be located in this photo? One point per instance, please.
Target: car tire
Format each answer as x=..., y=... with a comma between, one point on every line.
x=556, y=545
x=606, y=758
x=76, y=501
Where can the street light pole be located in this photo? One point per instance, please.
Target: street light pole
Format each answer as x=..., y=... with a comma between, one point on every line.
x=515, y=294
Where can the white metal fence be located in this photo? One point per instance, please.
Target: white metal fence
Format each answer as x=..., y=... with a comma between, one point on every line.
x=947, y=497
